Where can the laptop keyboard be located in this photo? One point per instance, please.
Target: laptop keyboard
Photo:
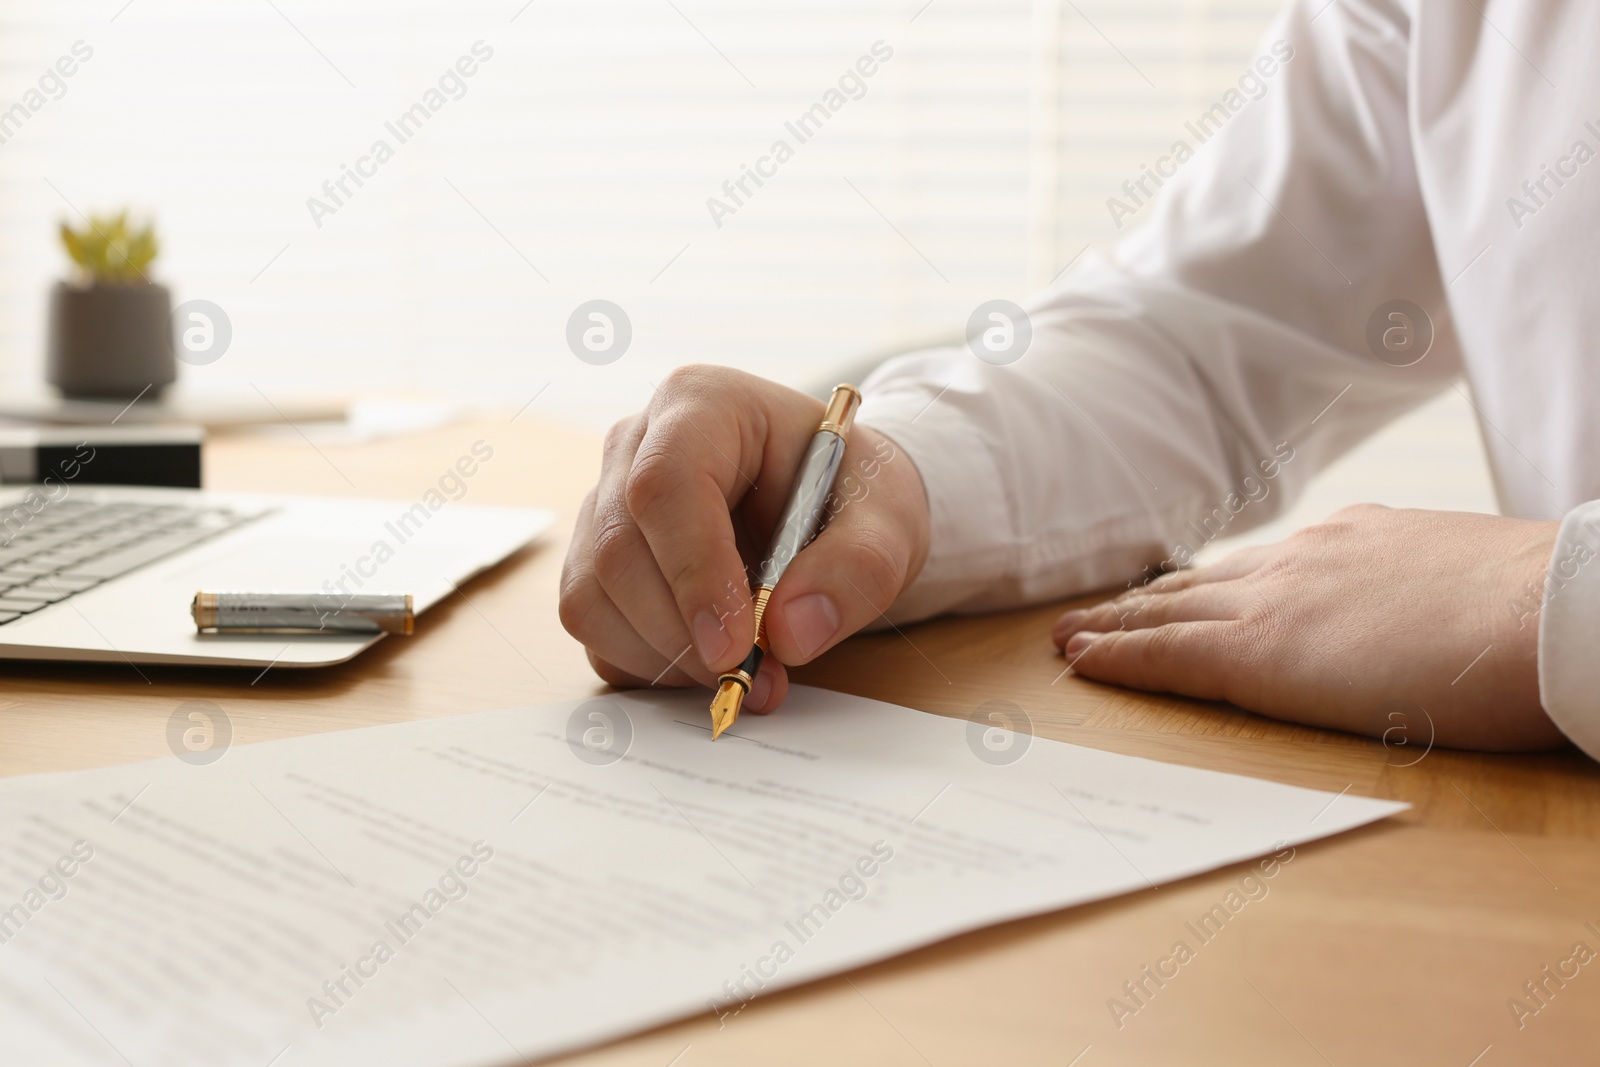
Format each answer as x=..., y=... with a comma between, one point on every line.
x=75, y=545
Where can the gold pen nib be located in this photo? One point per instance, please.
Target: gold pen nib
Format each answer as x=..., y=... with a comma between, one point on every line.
x=725, y=706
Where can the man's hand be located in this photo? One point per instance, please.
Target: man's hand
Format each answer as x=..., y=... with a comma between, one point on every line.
x=655, y=583
x=1372, y=610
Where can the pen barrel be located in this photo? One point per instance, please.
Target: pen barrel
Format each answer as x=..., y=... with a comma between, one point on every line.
x=308, y=613
x=805, y=511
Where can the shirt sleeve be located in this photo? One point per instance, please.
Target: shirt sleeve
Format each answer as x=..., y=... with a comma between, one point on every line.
x=1189, y=381
x=1569, y=670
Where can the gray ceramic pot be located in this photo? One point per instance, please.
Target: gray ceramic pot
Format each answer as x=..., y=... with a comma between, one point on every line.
x=110, y=340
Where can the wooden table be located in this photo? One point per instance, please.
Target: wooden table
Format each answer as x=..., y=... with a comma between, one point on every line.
x=1397, y=944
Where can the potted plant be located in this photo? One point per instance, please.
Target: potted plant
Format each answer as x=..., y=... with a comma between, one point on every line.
x=109, y=330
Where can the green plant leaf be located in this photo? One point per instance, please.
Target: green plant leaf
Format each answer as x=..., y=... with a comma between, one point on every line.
x=108, y=248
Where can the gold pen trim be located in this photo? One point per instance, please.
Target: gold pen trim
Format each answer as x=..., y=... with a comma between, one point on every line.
x=204, y=610
x=734, y=685
x=763, y=595
x=841, y=411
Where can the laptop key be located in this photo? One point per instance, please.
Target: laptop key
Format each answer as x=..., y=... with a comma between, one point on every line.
x=7, y=616
x=40, y=591
x=64, y=559
x=56, y=584
x=25, y=571
x=59, y=558
x=124, y=560
x=21, y=607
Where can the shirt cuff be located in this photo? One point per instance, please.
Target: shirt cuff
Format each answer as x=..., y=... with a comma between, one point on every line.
x=966, y=494
x=1569, y=627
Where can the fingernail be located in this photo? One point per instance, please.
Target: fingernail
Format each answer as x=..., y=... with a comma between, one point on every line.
x=710, y=637
x=1068, y=620
x=813, y=620
x=1079, y=641
x=760, y=690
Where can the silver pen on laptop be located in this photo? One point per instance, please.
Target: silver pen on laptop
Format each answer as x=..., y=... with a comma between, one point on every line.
x=240, y=612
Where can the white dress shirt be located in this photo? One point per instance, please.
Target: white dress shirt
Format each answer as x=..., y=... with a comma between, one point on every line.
x=1190, y=380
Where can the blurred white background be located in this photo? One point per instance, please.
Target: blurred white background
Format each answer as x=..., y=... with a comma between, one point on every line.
x=576, y=164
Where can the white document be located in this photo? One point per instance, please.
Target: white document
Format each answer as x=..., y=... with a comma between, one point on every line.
x=505, y=885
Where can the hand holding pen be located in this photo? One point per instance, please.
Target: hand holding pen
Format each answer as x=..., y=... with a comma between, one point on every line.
x=658, y=577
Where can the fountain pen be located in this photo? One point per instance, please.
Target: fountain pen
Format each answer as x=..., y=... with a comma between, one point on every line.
x=801, y=520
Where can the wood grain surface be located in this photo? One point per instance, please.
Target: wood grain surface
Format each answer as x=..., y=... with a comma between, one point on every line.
x=1401, y=943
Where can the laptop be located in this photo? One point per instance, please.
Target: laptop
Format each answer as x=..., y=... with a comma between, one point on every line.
x=107, y=574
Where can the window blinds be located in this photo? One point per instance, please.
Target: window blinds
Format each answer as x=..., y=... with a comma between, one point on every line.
x=420, y=194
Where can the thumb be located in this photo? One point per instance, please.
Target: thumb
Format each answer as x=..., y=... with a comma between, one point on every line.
x=871, y=549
